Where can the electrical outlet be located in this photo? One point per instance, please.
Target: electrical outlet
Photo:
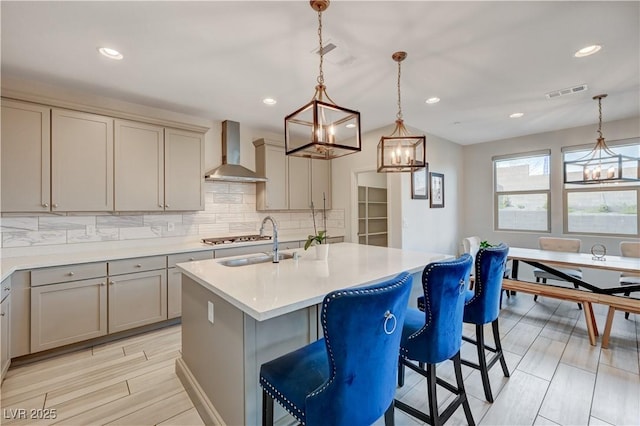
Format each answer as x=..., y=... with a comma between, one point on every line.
x=91, y=230
x=171, y=226
x=210, y=312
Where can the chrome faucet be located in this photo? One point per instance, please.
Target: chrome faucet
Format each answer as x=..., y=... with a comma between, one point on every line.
x=276, y=256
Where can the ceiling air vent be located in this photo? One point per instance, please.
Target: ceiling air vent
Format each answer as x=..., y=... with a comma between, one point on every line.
x=340, y=56
x=567, y=91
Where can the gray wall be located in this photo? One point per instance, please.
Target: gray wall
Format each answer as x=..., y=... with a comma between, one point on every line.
x=477, y=194
x=478, y=181
x=411, y=223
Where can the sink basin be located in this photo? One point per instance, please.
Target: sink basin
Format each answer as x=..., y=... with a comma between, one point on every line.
x=252, y=260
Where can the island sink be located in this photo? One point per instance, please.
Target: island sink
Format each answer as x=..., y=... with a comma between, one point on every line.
x=252, y=260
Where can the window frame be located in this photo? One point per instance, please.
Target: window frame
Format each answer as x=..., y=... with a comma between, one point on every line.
x=598, y=188
x=497, y=194
x=576, y=188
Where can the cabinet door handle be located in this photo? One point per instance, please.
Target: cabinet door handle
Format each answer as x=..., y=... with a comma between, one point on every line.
x=45, y=205
x=1, y=314
x=138, y=265
x=160, y=205
x=111, y=283
x=55, y=206
x=166, y=206
x=102, y=284
x=191, y=259
x=71, y=274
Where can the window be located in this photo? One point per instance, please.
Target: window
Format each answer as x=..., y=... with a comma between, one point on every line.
x=604, y=209
x=522, y=192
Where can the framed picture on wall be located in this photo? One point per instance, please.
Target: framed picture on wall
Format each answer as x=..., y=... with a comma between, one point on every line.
x=419, y=187
x=436, y=182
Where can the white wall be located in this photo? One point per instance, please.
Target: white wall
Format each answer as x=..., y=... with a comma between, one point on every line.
x=478, y=180
x=426, y=229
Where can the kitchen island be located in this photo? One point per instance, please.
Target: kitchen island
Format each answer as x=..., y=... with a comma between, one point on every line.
x=236, y=318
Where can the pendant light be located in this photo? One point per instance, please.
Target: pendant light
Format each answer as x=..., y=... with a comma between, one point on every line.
x=601, y=165
x=401, y=152
x=321, y=129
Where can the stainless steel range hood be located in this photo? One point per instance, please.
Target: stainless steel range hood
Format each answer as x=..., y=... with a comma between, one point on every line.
x=231, y=170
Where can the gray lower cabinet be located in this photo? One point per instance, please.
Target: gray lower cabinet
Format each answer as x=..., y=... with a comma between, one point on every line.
x=137, y=299
x=174, y=279
x=5, y=327
x=67, y=313
x=174, y=293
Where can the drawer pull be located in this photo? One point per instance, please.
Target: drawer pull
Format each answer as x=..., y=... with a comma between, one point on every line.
x=45, y=205
x=71, y=274
x=1, y=314
x=111, y=283
x=191, y=259
x=138, y=265
x=102, y=284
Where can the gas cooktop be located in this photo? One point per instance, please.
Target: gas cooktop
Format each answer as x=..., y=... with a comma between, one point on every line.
x=236, y=239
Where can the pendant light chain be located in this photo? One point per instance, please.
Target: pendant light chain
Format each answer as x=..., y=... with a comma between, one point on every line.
x=321, y=75
x=399, y=114
x=600, y=116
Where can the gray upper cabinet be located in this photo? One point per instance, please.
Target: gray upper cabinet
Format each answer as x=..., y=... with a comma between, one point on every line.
x=69, y=161
x=271, y=162
x=81, y=161
x=157, y=169
x=293, y=182
x=26, y=155
x=308, y=181
x=299, y=183
x=320, y=183
x=183, y=171
x=139, y=159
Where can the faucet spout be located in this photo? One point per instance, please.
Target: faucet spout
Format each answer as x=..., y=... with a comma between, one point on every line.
x=276, y=255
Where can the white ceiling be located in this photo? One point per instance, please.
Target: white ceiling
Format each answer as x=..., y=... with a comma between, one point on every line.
x=218, y=60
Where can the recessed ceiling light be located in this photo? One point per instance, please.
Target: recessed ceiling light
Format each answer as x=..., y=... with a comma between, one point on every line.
x=516, y=115
x=586, y=51
x=433, y=100
x=350, y=126
x=269, y=101
x=110, y=53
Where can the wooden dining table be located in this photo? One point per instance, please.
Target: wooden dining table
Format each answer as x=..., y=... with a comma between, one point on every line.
x=586, y=293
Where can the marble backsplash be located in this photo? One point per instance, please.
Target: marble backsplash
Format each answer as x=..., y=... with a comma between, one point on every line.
x=230, y=209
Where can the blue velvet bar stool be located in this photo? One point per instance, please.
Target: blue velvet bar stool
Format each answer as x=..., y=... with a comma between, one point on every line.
x=348, y=377
x=483, y=308
x=435, y=336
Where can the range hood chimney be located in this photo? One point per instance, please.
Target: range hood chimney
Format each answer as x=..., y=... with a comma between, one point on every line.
x=231, y=170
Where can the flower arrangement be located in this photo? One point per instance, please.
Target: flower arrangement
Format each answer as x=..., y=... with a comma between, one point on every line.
x=318, y=237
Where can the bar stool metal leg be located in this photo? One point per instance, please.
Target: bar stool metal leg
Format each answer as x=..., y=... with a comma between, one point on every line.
x=267, y=409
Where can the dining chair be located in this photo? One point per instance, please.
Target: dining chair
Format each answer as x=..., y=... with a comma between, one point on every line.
x=483, y=308
x=629, y=249
x=349, y=376
x=435, y=335
x=471, y=245
x=569, y=245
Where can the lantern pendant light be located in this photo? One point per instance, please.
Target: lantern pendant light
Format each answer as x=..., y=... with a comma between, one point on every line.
x=321, y=129
x=401, y=152
x=602, y=165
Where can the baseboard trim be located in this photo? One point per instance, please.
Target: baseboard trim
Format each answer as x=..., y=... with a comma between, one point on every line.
x=207, y=411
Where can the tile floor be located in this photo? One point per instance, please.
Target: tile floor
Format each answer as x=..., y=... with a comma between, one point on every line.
x=556, y=377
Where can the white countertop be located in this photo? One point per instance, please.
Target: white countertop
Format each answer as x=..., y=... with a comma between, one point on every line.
x=73, y=254
x=267, y=290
